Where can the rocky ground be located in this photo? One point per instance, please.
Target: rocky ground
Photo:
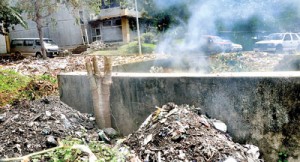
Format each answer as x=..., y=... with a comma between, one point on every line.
x=30, y=126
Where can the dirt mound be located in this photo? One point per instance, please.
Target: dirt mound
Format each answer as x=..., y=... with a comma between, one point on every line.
x=37, y=89
x=33, y=126
x=176, y=133
x=7, y=58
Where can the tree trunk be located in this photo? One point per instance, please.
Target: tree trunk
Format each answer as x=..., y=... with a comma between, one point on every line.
x=100, y=87
x=39, y=26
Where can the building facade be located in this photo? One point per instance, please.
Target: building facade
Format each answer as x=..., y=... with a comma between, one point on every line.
x=111, y=25
x=3, y=47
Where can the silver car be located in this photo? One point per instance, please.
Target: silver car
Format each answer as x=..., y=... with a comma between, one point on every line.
x=32, y=47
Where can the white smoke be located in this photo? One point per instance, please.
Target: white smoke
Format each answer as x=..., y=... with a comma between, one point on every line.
x=204, y=14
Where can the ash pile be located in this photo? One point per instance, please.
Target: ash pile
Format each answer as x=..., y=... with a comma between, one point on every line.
x=181, y=133
x=31, y=126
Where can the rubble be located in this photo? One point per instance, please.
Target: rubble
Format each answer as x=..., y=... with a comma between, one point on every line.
x=178, y=133
x=99, y=45
x=247, y=61
x=38, y=126
x=229, y=62
x=33, y=66
x=40, y=88
x=54, y=66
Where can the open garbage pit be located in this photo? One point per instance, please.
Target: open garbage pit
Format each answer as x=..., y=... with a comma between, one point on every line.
x=182, y=133
x=31, y=126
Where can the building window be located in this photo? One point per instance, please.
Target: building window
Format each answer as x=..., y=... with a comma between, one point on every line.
x=112, y=22
x=96, y=34
x=116, y=22
x=107, y=23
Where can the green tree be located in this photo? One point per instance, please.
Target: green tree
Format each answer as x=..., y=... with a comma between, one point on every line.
x=9, y=16
x=163, y=17
x=39, y=10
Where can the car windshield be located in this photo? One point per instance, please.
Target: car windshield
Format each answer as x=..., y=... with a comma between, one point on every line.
x=276, y=36
x=48, y=41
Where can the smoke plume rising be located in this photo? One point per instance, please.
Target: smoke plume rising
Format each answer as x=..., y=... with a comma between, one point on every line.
x=184, y=38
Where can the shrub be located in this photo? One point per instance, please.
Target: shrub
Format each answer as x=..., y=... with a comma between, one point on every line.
x=148, y=38
x=133, y=48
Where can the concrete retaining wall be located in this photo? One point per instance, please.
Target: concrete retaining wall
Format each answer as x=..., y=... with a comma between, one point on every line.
x=258, y=108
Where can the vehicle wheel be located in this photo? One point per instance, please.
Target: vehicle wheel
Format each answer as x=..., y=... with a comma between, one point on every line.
x=38, y=55
x=279, y=49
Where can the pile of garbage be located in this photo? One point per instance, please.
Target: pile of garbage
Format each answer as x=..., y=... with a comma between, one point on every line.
x=182, y=133
x=34, y=66
x=99, y=45
x=8, y=58
x=247, y=61
x=53, y=66
x=30, y=126
x=39, y=88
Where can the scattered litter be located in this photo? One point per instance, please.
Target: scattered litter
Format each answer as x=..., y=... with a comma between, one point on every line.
x=185, y=136
x=103, y=136
x=99, y=45
x=54, y=66
x=37, y=127
x=220, y=125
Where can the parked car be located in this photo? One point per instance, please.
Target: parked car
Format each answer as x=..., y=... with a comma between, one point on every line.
x=214, y=44
x=279, y=42
x=32, y=47
x=234, y=47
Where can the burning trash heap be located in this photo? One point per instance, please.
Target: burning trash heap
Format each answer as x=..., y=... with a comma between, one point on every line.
x=181, y=133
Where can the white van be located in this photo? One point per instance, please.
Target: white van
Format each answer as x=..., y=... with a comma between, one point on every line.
x=32, y=47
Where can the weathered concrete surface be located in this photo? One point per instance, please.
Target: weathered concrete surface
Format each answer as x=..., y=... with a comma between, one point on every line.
x=259, y=108
x=74, y=91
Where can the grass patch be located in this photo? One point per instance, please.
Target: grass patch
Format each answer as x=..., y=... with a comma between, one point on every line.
x=14, y=86
x=10, y=84
x=102, y=151
x=133, y=48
